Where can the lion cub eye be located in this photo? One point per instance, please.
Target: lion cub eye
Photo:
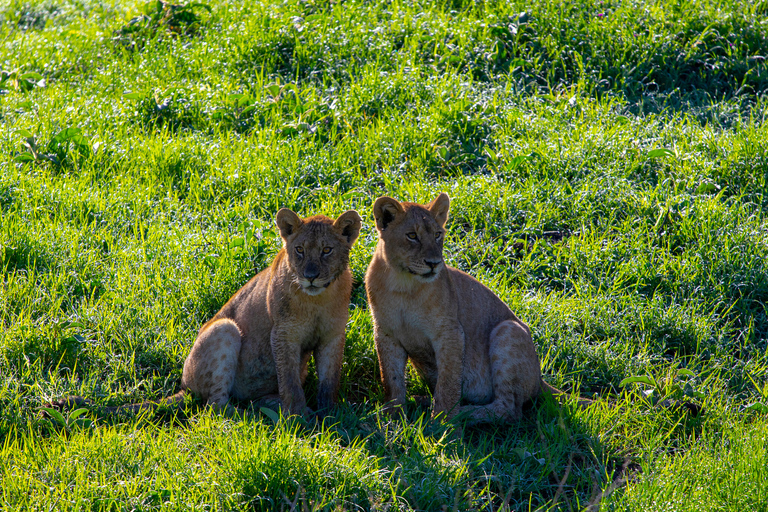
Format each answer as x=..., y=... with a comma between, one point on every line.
x=300, y=251
x=411, y=236
x=438, y=235
x=327, y=250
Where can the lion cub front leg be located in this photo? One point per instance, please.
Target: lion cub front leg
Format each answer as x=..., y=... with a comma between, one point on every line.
x=328, y=358
x=392, y=359
x=288, y=363
x=449, y=357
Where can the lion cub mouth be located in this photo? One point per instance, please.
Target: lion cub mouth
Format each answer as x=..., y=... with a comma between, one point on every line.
x=314, y=288
x=426, y=277
x=429, y=276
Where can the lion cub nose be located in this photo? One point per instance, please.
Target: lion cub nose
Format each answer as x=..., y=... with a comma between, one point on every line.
x=311, y=271
x=432, y=263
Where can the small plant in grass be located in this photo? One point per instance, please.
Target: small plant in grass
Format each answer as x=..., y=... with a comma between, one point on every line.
x=668, y=389
x=170, y=108
x=239, y=113
x=161, y=19
x=21, y=82
x=70, y=421
x=762, y=406
x=67, y=146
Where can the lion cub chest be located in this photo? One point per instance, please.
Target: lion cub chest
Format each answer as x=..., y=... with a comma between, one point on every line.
x=309, y=323
x=416, y=323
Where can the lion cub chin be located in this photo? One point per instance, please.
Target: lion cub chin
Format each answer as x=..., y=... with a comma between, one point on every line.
x=259, y=344
x=475, y=355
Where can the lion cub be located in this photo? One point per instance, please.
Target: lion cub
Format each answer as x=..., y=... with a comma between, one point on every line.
x=260, y=342
x=463, y=340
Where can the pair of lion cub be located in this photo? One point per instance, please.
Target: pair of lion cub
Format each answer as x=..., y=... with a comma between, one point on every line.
x=463, y=340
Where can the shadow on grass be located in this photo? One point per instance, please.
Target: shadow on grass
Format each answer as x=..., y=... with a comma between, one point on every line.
x=360, y=458
x=549, y=457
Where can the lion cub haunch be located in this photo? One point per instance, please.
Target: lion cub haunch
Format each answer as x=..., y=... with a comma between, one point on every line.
x=260, y=342
x=463, y=340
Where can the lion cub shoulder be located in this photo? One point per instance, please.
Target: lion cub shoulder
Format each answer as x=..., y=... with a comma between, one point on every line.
x=475, y=355
x=259, y=344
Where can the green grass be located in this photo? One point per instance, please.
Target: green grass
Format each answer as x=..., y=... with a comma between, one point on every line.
x=608, y=169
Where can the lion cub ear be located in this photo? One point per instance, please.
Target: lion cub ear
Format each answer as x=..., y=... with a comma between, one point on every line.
x=288, y=222
x=439, y=208
x=348, y=225
x=385, y=210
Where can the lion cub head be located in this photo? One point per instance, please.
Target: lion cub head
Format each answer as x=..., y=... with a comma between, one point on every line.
x=412, y=235
x=317, y=247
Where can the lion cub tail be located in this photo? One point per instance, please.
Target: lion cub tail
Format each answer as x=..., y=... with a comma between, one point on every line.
x=72, y=402
x=559, y=394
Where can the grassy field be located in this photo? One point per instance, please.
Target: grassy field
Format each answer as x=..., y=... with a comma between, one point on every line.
x=608, y=167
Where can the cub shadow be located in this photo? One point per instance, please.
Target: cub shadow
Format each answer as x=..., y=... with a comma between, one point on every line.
x=550, y=456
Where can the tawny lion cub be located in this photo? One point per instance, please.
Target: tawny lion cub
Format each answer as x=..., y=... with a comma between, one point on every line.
x=464, y=341
x=260, y=342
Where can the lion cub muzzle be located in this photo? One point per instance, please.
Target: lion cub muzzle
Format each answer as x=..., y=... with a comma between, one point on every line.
x=310, y=284
x=432, y=267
